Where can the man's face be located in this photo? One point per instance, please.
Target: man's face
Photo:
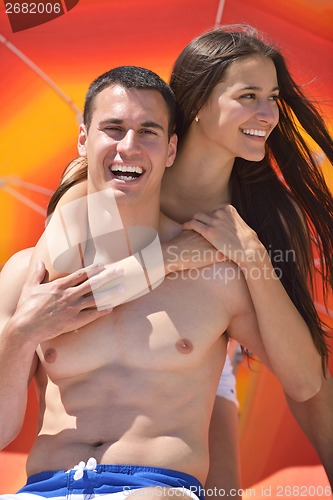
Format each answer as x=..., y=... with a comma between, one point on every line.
x=127, y=144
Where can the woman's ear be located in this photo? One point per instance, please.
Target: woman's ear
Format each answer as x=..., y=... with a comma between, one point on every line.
x=82, y=139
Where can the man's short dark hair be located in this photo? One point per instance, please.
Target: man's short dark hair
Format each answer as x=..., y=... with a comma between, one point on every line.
x=130, y=77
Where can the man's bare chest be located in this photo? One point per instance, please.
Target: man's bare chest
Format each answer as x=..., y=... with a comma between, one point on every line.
x=174, y=326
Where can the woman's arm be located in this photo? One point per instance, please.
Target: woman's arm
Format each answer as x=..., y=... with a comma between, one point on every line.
x=285, y=335
x=315, y=417
x=224, y=475
x=80, y=231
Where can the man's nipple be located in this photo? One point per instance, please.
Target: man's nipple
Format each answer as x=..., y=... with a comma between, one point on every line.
x=184, y=346
x=50, y=355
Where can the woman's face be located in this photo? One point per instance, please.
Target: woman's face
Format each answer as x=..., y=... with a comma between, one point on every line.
x=242, y=110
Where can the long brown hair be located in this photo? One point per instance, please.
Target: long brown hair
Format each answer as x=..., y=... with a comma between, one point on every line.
x=284, y=197
x=75, y=172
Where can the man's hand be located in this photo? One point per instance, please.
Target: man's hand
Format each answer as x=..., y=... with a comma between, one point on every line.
x=48, y=309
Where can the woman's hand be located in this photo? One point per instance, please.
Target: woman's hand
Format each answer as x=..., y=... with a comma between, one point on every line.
x=229, y=234
x=189, y=250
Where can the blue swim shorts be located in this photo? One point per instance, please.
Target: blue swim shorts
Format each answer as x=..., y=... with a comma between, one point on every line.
x=106, y=479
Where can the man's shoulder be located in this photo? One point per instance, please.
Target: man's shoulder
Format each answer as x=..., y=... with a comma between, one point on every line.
x=168, y=228
x=12, y=278
x=19, y=261
x=225, y=273
x=227, y=280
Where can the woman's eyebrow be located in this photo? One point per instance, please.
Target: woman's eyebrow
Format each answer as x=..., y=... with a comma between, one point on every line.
x=258, y=89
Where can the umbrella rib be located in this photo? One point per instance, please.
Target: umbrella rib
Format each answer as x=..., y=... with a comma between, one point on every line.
x=16, y=181
x=44, y=77
x=219, y=13
x=31, y=204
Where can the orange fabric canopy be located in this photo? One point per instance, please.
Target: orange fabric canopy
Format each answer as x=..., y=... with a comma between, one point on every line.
x=39, y=130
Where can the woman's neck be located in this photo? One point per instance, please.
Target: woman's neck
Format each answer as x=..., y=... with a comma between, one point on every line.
x=199, y=180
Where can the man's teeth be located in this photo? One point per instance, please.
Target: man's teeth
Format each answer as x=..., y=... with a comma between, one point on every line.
x=260, y=133
x=123, y=168
x=118, y=169
x=126, y=177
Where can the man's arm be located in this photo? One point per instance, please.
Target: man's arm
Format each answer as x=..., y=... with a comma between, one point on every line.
x=18, y=360
x=32, y=311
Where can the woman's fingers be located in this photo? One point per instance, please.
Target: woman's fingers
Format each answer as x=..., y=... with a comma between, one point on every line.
x=201, y=222
x=194, y=225
x=106, y=276
x=89, y=315
x=83, y=318
x=102, y=299
x=81, y=276
x=204, y=218
x=224, y=229
x=90, y=278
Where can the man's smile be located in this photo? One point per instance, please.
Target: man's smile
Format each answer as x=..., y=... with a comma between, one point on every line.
x=126, y=172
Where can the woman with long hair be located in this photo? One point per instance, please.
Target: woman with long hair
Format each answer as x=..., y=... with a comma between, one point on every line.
x=283, y=197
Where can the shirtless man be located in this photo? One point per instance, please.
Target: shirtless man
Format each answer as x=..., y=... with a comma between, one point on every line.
x=136, y=386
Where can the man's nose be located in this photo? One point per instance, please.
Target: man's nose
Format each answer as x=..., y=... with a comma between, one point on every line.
x=129, y=143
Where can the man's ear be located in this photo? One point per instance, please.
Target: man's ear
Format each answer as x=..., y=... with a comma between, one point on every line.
x=82, y=139
x=172, y=150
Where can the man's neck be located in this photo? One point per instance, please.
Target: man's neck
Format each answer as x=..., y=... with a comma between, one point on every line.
x=118, y=229
x=168, y=228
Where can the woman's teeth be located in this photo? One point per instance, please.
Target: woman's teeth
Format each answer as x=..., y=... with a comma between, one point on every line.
x=259, y=133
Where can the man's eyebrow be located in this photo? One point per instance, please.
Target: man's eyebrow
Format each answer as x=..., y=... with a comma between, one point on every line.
x=118, y=121
x=115, y=121
x=151, y=124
